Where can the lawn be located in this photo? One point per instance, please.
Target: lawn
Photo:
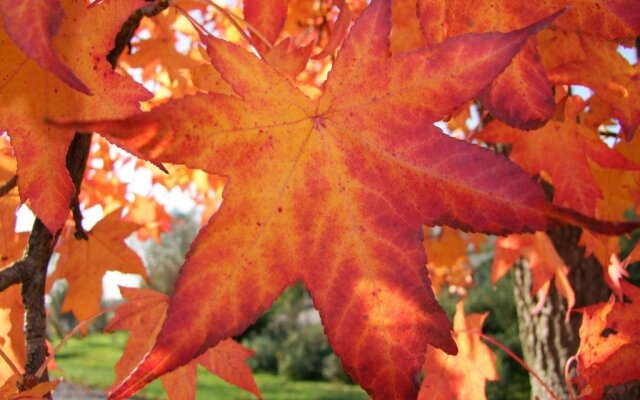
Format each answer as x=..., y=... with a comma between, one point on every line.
x=90, y=361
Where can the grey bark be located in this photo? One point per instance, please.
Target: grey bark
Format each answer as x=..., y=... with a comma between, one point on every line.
x=548, y=339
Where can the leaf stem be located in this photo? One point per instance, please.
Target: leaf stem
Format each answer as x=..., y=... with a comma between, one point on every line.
x=234, y=19
x=10, y=363
x=516, y=359
x=567, y=378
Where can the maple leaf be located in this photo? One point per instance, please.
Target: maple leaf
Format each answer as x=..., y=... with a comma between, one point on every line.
x=29, y=93
x=339, y=189
x=83, y=263
x=544, y=261
x=32, y=24
x=600, y=246
x=609, y=344
x=464, y=375
x=143, y=315
x=564, y=150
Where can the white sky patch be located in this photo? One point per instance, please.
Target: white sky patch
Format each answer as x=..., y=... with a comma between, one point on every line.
x=112, y=279
x=629, y=53
x=582, y=91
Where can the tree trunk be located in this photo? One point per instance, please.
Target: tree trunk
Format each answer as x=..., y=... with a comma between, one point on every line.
x=548, y=339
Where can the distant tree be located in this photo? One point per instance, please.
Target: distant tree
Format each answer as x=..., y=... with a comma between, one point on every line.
x=163, y=259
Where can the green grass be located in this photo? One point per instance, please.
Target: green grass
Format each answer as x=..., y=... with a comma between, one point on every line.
x=90, y=361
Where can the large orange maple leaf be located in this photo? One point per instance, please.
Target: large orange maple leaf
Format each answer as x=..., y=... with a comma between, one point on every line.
x=333, y=192
x=29, y=93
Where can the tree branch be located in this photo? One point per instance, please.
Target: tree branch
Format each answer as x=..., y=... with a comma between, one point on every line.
x=7, y=187
x=128, y=29
x=12, y=275
x=77, y=164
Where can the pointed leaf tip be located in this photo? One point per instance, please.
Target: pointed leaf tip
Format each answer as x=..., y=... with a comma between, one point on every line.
x=543, y=23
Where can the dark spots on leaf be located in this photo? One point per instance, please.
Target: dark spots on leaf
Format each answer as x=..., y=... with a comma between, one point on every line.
x=4, y=258
x=279, y=209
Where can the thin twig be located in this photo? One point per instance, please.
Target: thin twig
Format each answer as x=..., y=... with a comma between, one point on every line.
x=78, y=164
x=516, y=359
x=235, y=17
x=567, y=378
x=76, y=329
x=13, y=275
x=7, y=187
x=10, y=363
x=128, y=29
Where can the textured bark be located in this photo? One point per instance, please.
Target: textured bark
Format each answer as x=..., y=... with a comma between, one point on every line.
x=548, y=339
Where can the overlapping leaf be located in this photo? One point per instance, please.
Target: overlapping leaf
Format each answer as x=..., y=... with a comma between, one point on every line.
x=522, y=96
x=32, y=24
x=571, y=58
x=83, y=263
x=143, y=316
x=609, y=345
x=30, y=93
x=543, y=260
x=333, y=192
x=41, y=391
x=563, y=150
x=268, y=17
x=464, y=375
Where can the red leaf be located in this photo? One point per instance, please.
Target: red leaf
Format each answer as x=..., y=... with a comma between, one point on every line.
x=32, y=24
x=267, y=17
x=83, y=263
